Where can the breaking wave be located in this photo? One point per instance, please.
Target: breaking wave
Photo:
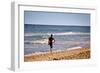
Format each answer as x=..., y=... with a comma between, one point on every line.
x=62, y=33
x=42, y=41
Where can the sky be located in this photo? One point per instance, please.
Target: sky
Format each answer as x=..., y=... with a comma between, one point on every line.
x=56, y=18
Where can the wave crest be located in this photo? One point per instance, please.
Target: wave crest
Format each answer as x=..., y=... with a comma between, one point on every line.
x=62, y=33
x=42, y=41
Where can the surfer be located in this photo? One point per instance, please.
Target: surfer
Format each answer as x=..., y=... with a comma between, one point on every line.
x=51, y=40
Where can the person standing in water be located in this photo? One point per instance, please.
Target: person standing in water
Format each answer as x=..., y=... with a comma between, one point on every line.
x=51, y=40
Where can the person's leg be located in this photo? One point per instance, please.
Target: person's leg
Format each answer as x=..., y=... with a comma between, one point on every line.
x=51, y=48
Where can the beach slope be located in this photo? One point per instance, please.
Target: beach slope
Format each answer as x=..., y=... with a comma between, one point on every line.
x=80, y=53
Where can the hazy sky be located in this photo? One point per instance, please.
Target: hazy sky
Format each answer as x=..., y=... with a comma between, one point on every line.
x=56, y=18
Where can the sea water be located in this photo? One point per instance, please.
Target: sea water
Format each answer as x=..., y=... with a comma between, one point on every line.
x=36, y=37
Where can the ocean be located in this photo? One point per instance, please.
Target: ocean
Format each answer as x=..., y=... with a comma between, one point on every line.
x=36, y=37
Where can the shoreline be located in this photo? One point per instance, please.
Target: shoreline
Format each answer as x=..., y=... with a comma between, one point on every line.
x=36, y=53
x=77, y=53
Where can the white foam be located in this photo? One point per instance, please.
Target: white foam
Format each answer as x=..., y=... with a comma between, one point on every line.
x=74, y=48
x=72, y=33
x=62, y=33
x=43, y=41
x=37, y=53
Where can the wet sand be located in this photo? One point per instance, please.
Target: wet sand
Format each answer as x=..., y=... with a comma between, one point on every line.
x=79, y=53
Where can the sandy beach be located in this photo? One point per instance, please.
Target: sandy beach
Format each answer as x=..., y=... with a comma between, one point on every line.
x=80, y=53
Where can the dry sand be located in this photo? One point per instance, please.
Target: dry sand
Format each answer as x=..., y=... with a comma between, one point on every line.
x=81, y=53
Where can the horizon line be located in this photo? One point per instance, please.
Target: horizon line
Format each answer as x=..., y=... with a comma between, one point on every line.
x=54, y=25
